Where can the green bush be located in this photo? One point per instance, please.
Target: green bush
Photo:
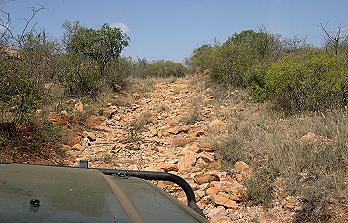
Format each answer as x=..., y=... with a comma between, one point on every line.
x=20, y=94
x=79, y=77
x=294, y=46
x=28, y=74
x=229, y=151
x=310, y=81
x=92, y=60
x=255, y=82
x=51, y=131
x=158, y=68
x=200, y=59
x=164, y=68
x=263, y=46
x=24, y=78
x=260, y=186
x=229, y=64
x=117, y=73
x=100, y=45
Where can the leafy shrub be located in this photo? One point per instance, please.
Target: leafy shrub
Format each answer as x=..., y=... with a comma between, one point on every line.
x=255, y=82
x=295, y=45
x=164, y=68
x=100, y=45
x=263, y=46
x=199, y=59
x=92, y=62
x=20, y=142
x=79, y=78
x=29, y=63
x=229, y=151
x=24, y=77
x=229, y=63
x=309, y=81
x=51, y=131
x=117, y=73
x=159, y=68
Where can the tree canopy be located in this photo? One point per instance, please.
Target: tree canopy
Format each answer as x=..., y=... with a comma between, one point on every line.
x=101, y=45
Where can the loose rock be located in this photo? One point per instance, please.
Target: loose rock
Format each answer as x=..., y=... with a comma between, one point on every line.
x=168, y=167
x=77, y=147
x=90, y=135
x=205, y=178
x=58, y=118
x=79, y=106
x=212, y=191
x=218, y=211
x=207, y=157
x=187, y=160
x=220, y=219
x=220, y=199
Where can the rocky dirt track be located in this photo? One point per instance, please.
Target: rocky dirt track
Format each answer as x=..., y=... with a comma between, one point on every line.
x=167, y=129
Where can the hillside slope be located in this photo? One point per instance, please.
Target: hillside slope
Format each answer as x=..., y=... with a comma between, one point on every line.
x=170, y=127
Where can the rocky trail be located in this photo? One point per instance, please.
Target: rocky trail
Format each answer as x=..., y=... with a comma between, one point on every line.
x=166, y=129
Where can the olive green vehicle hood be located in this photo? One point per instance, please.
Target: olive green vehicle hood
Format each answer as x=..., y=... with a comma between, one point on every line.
x=84, y=195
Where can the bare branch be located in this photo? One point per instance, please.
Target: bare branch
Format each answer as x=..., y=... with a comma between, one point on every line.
x=33, y=27
x=28, y=21
x=333, y=40
x=6, y=23
x=326, y=32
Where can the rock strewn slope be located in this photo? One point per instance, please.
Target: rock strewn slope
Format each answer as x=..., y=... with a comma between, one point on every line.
x=166, y=130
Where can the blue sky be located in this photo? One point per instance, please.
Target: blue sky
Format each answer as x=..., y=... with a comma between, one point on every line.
x=170, y=29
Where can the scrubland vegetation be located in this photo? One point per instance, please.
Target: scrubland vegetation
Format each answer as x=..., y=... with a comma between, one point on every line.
x=290, y=73
x=293, y=130
x=39, y=74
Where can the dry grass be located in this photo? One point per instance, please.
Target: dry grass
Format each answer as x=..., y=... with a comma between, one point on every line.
x=139, y=123
x=315, y=170
x=144, y=86
x=161, y=108
x=137, y=126
x=168, y=79
x=195, y=111
x=104, y=157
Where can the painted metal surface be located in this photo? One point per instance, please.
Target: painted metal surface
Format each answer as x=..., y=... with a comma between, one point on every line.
x=59, y=194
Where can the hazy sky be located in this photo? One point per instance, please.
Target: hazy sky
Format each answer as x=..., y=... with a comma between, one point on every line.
x=170, y=29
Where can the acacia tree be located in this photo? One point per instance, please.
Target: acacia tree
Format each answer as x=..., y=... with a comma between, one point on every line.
x=100, y=45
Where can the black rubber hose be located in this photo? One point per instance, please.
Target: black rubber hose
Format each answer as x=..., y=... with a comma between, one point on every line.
x=149, y=175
